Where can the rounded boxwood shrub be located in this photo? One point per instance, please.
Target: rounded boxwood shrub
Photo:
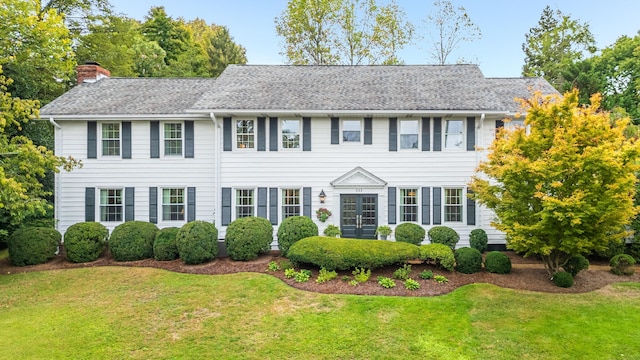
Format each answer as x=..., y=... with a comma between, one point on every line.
x=468, y=260
x=563, y=279
x=575, y=264
x=478, y=240
x=622, y=264
x=248, y=237
x=84, y=242
x=132, y=240
x=438, y=254
x=497, y=262
x=197, y=242
x=293, y=229
x=334, y=253
x=164, y=245
x=444, y=235
x=33, y=245
x=410, y=233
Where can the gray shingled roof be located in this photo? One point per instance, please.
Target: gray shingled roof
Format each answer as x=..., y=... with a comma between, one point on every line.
x=508, y=89
x=129, y=96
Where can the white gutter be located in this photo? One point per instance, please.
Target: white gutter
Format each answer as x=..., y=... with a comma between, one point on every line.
x=130, y=117
x=399, y=113
x=57, y=141
x=218, y=171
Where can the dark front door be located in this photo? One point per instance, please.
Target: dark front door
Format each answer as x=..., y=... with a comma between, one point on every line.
x=359, y=214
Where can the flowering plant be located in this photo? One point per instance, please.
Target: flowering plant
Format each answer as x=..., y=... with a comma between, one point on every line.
x=323, y=214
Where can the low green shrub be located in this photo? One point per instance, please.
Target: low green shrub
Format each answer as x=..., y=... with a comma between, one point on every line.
x=293, y=229
x=440, y=279
x=478, y=240
x=132, y=240
x=563, y=279
x=361, y=275
x=286, y=264
x=197, y=242
x=332, y=231
x=325, y=275
x=248, y=237
x=575, y=264
x=386, y=282
x=164, y=245
x=273, y=266
x=444, y=235
x=290, y=273
x=426, y=275
x=33, y=245
x=438, y=254
x=622, y=264
x=497, y=262
x=344, y=254
x=85, y=241
x=302, y=276
x=411, y=284
x=468, y=260
x=410, y=233
x=403, y=272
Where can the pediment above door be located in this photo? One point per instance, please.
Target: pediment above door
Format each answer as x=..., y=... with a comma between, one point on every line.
x=359, y=178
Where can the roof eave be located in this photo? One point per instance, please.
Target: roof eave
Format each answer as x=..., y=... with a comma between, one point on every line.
x=344, y=113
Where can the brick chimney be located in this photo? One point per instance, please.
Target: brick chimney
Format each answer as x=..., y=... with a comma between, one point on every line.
x=91, y=72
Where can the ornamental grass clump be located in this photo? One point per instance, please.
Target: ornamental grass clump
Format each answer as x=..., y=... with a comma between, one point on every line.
x=85, y=241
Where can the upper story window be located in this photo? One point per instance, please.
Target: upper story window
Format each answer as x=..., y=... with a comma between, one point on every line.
x=409, y=204
x=172, y=204
x=409, y=130
x=110, y=139
x=290, y=134
x=351, y=131
x=111, y=205
x=173, y=139
x=453, y=135
x=245, y=203
x=245, y=134
x=453, y=205
x=290, y=203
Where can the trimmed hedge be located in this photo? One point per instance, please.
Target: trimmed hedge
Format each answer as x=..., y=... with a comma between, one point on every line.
x=343, y=254
x=197, y=242
x=132, y=240
x=438, y=254
x=164, y=245
x=85, y=241
x=444, y=235
x=575, y=264
x=410, y=233
x=293, y=229
x=33, y=245
x=563, y=279
x=622, y=264
x=497, y=263
x=478, y=240
x=248, y=237
x=468, y=260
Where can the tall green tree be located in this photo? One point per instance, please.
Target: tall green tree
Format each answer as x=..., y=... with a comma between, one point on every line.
x=564, y=184
x=448, y=26
x=218, y=45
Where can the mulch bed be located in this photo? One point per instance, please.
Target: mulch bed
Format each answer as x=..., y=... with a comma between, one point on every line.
x=527, y=274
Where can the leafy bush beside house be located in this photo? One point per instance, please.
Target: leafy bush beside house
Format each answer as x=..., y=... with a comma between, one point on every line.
x=164, y=245
x=33, y=245
x=197, y=242
x=132, y=240
x=85, y=241
x=438, y=254
x=248, y=237
x=497, y=262
x=478, y=240
x=293, y=229
x=468, y=260
x=622, y=264
x=410, y=233
x=575, y=264
x=444, y=235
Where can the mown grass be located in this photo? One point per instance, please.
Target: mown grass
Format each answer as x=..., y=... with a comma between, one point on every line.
x=137, y=313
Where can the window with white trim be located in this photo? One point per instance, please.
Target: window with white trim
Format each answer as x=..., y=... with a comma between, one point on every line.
x=409, y=130
x=290, y=203
x=245, y=203
x=245, y=134
x=111, y=205
x=173, y=204
x=290, y=134
x=453, y=204
x=110, y=139
x=351, y=131
x=453, y=134
x=409, y=205
x=173, y=139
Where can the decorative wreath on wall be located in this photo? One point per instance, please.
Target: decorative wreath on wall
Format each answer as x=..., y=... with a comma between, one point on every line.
x=323, y=214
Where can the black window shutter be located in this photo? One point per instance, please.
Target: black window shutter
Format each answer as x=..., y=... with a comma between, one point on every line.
x=188, y=139
x=393, y=134
x=262, y=202
x=155, y=139
x=368, y=131
x=471, y=209
x=129, y=203
x=273, y=205
x=437, y=206
x=335, y=130
x=306, y=134
x=437, y=134
x=92, y=140
x=306, y=201
x=426, y=134
x=499, y=125
x=273, y=134
x=392, y=205
x=471, y=133
x=90, y=204
x=191, y=203
x=153, y=205
x=226, y=206
x=262, y=136
x=126, y=139
x=226, y=134
x=426, y=205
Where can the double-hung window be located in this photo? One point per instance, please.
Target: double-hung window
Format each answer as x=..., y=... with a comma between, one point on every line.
x=110, y=138
x=409, y=205
x=351, y=131
x=290, y=134
x=290, y=203
x=172, y=204
x=173, y=139
x=453, y=135
x=409, y=134
x=453, y=205
x=245, y=134
x=245, y=203
x=111, y=205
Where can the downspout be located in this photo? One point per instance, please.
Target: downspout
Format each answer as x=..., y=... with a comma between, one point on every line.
x=57, y=141
x=218, y=172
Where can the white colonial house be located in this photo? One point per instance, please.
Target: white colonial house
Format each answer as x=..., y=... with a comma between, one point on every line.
x=375, y=145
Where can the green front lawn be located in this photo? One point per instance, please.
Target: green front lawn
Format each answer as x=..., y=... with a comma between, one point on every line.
x=138, y=313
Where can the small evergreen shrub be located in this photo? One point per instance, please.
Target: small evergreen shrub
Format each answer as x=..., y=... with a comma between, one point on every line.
x=478, y=240
x=410, y=233
x=468, y=260
x=33, y=245
x=85, y=241
x=622, y=264
x=386, y=282
x=248, y=237
x=403, y=272
x=132, y=240
x=197, y=242
x=332, y=231
x=426, y=275
x=444, y=235
x=411, y=284
x=563, y=279
x=293, y=229
x=497, y=262
x=164, y=245
x=438, y=254
x=575, y=264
